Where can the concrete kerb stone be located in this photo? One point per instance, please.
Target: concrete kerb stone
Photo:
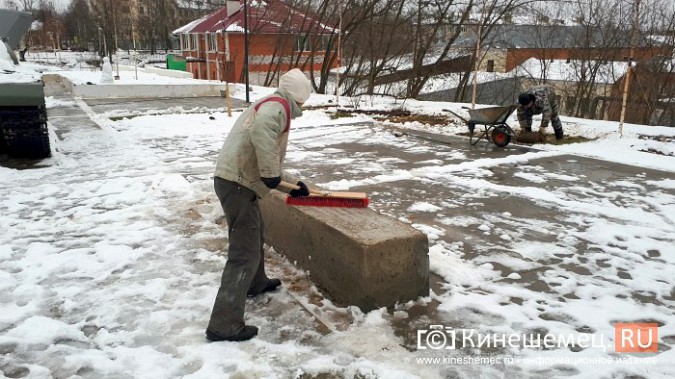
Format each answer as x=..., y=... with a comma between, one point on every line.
x=145, y=90
x=58, y=81
x=104, y=91
x=356, y=256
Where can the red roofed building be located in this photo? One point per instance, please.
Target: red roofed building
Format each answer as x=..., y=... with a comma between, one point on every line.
x=280, y=38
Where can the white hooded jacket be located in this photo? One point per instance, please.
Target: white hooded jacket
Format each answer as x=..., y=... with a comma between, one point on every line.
x=256, y=145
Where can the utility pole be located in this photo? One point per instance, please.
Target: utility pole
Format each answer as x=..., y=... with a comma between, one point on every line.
x=476, y=65
x=339, y=57
x=248, y=100
x=626, y=86
x=99, y=38
x=117, y=57
x=135, y=53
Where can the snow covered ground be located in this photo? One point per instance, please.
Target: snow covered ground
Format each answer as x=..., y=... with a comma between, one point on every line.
x=112, y=250
x=73, y=66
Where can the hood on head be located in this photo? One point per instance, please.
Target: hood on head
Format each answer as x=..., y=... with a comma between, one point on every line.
x=297, y=85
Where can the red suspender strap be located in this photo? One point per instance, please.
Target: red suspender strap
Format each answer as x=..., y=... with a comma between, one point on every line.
x=283, y=102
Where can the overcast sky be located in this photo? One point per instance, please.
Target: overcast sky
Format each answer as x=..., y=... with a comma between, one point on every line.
x=61, y=4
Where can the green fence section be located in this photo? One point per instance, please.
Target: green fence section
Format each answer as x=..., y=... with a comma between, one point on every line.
x=176, y=62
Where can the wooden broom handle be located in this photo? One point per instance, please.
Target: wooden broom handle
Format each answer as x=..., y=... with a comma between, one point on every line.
x=287, y=186
x=290, y=187
x=343, y=195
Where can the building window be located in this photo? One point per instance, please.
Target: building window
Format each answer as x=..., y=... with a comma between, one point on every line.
x=325, y=43
x=302, y=43
x=213, y=41
x=490, y=65
x=194, y=42
x=307, y=43
x=185, y=42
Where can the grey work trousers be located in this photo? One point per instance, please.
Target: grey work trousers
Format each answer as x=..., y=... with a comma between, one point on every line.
x=555, y=119
x=245, y=266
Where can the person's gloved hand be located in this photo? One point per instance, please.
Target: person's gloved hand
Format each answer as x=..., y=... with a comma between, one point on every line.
x=302, y=191
x=271, y=182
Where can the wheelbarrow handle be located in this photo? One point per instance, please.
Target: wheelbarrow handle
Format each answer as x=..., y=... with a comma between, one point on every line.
x=458, y=116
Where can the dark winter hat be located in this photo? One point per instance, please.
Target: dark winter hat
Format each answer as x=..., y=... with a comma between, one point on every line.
x=525, y=98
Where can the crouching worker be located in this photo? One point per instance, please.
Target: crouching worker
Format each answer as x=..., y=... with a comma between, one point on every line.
x=539, y=100
x=248, y=166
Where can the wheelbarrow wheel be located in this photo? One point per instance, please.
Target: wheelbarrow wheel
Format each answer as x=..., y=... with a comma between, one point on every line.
x=500, y=136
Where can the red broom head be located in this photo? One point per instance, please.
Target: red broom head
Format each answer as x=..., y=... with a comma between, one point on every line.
x=320, y=201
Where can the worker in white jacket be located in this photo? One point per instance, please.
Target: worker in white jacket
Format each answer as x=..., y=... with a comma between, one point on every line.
x=248, y=167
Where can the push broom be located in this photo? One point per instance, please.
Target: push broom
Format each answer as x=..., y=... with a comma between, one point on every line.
x=327, y=198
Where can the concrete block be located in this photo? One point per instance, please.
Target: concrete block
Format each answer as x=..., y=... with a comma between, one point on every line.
x=355, y=256
x=105, y=91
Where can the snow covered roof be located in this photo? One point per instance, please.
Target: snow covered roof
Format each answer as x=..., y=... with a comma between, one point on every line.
x=264, y=17
x=563, y=70
x=189, y=27
x=550, y=36
x=13, y=25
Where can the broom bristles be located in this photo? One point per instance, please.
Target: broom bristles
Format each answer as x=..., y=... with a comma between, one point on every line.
x=322, y=201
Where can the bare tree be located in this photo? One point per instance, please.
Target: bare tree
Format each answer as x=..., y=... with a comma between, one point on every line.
x=384, y=41
x=432, y=17
x=156, y=22
x=106, y=13
x=79, y=25
x=52, y=31
x=28, y=5
x=313, y=40
x=490, y=13
x=599, y=42
x=652, y=86
x=663, y=25
x=12, y=4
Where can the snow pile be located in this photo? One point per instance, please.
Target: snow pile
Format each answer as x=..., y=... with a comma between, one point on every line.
x=6, y=62
x=106, y=73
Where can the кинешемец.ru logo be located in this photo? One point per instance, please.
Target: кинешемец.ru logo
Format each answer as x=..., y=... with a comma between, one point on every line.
x=636, y=337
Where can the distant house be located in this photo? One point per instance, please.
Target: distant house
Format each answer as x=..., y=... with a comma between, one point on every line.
x=651, y=98
x=508, y=46
x=280, y=37
x=584, y=65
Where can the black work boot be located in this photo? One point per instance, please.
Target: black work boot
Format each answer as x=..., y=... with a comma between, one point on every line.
x=558, y=134
x=271, y=285
x=245, y=334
